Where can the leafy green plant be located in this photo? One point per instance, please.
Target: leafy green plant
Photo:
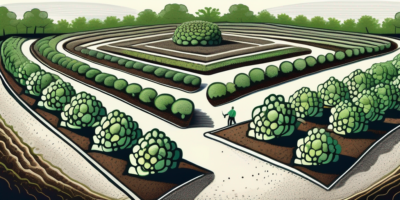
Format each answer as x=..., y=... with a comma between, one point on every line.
x=183, y=108
x=242, y=81
x=216, y=90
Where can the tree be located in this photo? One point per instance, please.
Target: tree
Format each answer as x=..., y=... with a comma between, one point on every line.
x=94, y=24
x=175, y=13
x=7, y=18
x=111, y=21
x=284, y=19
x=209, y=14
x=129, y=20
x=239, y=13
x=36, y=19
x=147, y=17
x=301, y=20
x=388, y=25
x=396, y=22
x=265, y=16
x=349, y=25
x=333, y=24
x=79, y=24
x=367, y=24
x=318, y=22
x=63, y=25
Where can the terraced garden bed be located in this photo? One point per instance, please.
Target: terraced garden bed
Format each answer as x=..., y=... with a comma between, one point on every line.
x=185, y=182
x=169, y=117
x=282, y=151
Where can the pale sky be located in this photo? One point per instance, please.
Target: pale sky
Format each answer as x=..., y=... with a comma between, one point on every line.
x=193, y=5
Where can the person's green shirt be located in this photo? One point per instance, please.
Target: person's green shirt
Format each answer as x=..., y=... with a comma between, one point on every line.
x=232, y=113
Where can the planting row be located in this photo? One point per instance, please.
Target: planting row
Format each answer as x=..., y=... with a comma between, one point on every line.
x=358, y=100
x=181, y=108
x=220, y=91
x=151, y=153
x=159, y=72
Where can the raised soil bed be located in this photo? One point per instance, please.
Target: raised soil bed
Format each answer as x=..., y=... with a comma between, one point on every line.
x=283, y=150
x=185, y=182
x=283, y=78
x=167, y=116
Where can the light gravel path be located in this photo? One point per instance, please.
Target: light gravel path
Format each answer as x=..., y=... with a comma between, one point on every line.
x=239, y=175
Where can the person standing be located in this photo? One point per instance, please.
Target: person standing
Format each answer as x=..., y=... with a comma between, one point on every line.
x=232, y=115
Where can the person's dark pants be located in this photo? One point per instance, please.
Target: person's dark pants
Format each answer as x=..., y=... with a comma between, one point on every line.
x=231, y=121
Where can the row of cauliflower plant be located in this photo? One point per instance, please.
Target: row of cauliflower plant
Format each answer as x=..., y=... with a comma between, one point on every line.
x=160, y=72
x=182, y=108
x=151, y=153
x=360, y=98
x=257, y=75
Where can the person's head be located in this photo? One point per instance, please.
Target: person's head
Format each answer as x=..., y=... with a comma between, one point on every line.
x=232, y=107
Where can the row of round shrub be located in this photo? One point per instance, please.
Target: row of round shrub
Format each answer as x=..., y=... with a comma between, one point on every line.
x=242, y=80
x=182, y=108
x=112, y=132
x=160, y=72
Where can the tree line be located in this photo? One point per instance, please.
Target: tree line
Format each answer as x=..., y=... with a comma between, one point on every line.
x=36, y=21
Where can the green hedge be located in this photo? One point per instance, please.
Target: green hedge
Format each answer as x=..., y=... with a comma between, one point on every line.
x=321, y=59
x=147, y=95
x=286, y=67
x=216, y=90
x=330, y=57
x=272, y=71
x=163, y=102
x=311, y=61
x=340, y=55
x=92, y=73
x=242, y=81
x=133, y=89
x=149, y=69
x=120, y=84
x=300, y=64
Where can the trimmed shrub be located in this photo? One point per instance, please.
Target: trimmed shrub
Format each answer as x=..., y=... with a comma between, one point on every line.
x=195, y=32
x=133, y=89
x=43, y=47
x=101, y=77
x=66, y=62
x=63, y=60
x=160, y=72
x=164, y=101
x=147, y=95
x=107, y=57
x=339, y=55
x=72, y=63
x=100, y=56
x=91, y=73
x=83, y=69
x=129, y=64
x=182, y=107
x=330, y=57
x=321, y=59
x=170, y=74
x=196, y=81
x=188, y=79
x=93, y=53
x=138, y=66
x=76, y=66
x=286, y=67
x=149, y=69
x=120, y=84
x=242, y=80
x=122, y=62
x=47, y=51
x=57, y=57
x=114, y=59
x=256, y=75
x=311, y=61
x=51, y=55
x=356, y=52
x=300, y=64
x=216, y=90
x=178, y=77
x=349, y=53
x=85, y=51
x=109, y=81
x=231, y=87
x=272, y=71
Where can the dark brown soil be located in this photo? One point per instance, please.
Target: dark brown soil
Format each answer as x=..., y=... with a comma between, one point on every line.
x=228, y=46
x=283, y=149
x=29, y=100
x=163, y=115
x=221, y=69
x=283, y=78
x=138, y=72
x=146, y=188
x=139, y=41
